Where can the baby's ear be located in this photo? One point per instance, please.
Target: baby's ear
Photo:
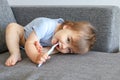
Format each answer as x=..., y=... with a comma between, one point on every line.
x=66, y=27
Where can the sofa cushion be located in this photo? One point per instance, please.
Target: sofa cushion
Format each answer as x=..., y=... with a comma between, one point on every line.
x=92, y=66
x=105, y=19
x=6, y=16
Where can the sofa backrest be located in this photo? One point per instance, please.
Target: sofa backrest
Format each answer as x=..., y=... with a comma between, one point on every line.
x=6, y=17
x=105, y=19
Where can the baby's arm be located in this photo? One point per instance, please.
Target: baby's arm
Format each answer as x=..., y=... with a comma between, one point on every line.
x=45, y=49
x=34, y=52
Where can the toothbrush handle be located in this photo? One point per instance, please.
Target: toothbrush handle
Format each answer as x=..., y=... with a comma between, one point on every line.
x=49, y=52
x=40, y=64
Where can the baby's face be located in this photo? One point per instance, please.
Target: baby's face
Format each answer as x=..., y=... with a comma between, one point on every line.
x=65, y=39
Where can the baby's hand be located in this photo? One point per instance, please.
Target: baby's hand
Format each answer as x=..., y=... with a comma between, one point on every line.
x=42, y=57
x=38, y=46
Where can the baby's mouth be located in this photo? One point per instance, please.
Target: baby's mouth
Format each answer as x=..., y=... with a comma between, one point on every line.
x=59, y=45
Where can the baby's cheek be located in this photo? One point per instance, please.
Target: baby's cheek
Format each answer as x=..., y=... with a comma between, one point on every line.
x=54, y=41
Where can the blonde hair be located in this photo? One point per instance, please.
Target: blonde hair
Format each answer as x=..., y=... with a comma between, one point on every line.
x=85, y=35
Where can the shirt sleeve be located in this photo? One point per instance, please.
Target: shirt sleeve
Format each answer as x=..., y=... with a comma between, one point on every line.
x=40, y=28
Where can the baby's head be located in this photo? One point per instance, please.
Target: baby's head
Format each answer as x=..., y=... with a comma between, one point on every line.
x=74, y=37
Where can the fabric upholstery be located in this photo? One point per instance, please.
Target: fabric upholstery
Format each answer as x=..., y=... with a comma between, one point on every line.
x=104, y=18
x=96, y=65
x=92, y=66
x=6, y=16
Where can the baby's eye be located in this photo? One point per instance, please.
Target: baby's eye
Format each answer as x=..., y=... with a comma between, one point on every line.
x=68, y=40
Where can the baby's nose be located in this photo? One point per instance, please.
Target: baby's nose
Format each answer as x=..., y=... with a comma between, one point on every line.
x=64, y=46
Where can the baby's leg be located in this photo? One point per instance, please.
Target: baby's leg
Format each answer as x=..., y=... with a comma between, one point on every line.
x=14, y=34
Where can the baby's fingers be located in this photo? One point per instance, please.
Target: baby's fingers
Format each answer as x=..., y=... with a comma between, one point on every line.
x=45, y=56
x=48, y=57
x=38, y=46
x=42, y=60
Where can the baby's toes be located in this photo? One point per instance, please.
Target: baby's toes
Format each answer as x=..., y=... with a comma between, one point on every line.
x=13, y=62
x=7, y=63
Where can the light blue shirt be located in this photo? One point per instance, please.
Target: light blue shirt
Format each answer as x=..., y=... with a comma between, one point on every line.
x=44, y=29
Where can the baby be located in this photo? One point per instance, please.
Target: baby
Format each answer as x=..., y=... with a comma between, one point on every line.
x=39, y=35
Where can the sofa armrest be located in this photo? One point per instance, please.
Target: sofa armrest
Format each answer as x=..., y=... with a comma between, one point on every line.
x=6, y=17
x=106, y=20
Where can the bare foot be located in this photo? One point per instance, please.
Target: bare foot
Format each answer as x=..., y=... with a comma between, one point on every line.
x=13, y=59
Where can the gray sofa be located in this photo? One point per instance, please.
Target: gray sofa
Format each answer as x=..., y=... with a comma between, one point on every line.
x=101, y=63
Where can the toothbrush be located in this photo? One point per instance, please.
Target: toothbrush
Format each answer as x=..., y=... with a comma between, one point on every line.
x=49, y=52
